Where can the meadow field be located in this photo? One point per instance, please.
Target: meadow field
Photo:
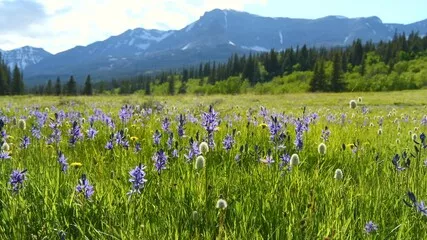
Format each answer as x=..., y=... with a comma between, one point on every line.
x=294, y=166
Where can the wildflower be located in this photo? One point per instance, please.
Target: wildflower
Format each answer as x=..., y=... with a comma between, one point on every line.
x=380, y=131
x=325, y=134
x=370, y=227
x=35, y=132
x=84, y=187
x=138, y=147
x=268, y=158
x=359, y=99
x=221, y=204
x=321, y=149
x=165, y=124
x=137, y=178
x=76, y=164
x=62, y=160
x=286, y=160
x=419, y=206
x=263, y=125
x=338, y=174
x=22, y=124
x=17, y=179
x=109, y=145
x=4, y=155
x=125, y=113
x=75, y=133
x=200, y=163
x=398, y=141
x=156, y=137
x=133, y=138
x=353, y=104
x=294, y=159
x=210, y=123
x=25, y=142
x=91, y=133
x=204, y=147
x=160, y=160
x=228, y=142
x=193, y=151
x=181, y=123
x=275, y=128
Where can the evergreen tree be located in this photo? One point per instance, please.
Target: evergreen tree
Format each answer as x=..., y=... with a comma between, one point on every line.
x=171, y=85
x=17, y=86
x=49, y=88
x=147, y=87
x=337, y=83
x=88, y=87
x=72, y=86
x=58, y=87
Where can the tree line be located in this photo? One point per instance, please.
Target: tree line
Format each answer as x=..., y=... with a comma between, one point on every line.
x=318, y=69
x=11, y=80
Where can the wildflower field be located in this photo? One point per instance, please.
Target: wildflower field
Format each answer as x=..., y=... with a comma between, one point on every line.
x=297, y=166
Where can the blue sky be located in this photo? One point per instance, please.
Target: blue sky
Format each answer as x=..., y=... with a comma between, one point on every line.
x=57, y=25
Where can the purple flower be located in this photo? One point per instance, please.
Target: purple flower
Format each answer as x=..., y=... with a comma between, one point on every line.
x=424, y=120
x=193, y=150
x=170, y=140
x=138, y=147
x=137, y=179
x=25, y=142
x=165, y=124
x=109, y=145
x=4, y=155
x=160, y=160
x=91, y=133
x=156, y=137
x=285, y=161
x=35, y=132
x=228, y=142
x=84, y=187
x=275, y=128
x=370, y=227
x=181, y=123
x=175, y=153
x=75, y=133
x=62, y=161
x=325, y=134
x=17, y=179
x=210, y=120
x=420, y=206
x=125, y=113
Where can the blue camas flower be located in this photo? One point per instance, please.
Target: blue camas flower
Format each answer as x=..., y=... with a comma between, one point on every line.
x=17, y=179
x=160, y=159
x=62, y=160
x=84, y=187
x=137, y=178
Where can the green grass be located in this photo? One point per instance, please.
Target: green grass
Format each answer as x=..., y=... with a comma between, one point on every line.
x=264, y=202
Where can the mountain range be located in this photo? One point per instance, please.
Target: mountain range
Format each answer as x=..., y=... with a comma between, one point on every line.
x=214, y=37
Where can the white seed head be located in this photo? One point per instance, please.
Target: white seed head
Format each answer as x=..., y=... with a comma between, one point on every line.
x=200, y=163
x=195, y=215
x=338, y=174
x=46, y=109
x=414, y=136
x=22, y=124
x=398, y=141
x=294, y=159
x=359, y=99
x=321, y=149
x=221, y=204
x=371, y=124
x=415, y=129
x=353, y=104
x=380, y=131
x=204, y=147
x=5, y=147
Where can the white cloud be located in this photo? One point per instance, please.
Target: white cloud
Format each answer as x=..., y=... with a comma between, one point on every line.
x=81, y=22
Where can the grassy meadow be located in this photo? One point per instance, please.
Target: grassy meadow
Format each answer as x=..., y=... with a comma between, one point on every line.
x=294, y=166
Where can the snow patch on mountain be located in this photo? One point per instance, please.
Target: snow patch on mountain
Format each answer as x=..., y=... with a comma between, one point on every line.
x=189, y=27
x=231, y=43
x=186, y=47
x=281, y=37
x=256, y=48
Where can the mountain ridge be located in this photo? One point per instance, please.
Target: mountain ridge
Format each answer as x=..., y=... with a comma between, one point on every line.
x=214, y=36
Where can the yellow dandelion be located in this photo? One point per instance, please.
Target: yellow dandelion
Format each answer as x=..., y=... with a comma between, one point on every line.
x=76, y=164
x=133, y=138
x=351, y=145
